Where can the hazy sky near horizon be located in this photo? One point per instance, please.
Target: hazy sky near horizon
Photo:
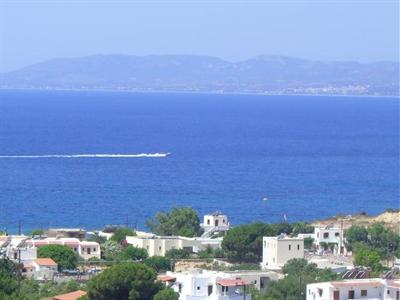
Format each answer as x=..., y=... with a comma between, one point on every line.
x=360, y=30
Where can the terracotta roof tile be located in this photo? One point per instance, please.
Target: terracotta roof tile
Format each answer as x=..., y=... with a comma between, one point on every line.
x=231, y=282
x=45, y=262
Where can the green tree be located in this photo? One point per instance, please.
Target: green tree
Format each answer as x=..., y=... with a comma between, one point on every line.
x=179, y=221
x=62, y=255
x=355, y=234
x=9, y=276
x=177, y=253
x=308, y=242
x=159, y=263
x=127, y=281
x=377, y=237
x=298, y=273
x=111, y=250
x=134, y=253
x=97, y=238
x=244, y=243
x=283, y=227
x=367, y=257
x=166, y=294
x=301, y=227
x=29, y=290
x=120, y=234
x=37, y=232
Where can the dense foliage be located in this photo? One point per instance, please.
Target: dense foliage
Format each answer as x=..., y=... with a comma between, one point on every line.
x=159, y=263
x=298, y=273
x=179, y=221
x=127, y=281
x=14, y=287
x=62, y=255
x=110, y=250
x=177, y=254
x=120, y=234
x=377, y=238
x=37, y=232
x=9, y=275
x=365, y=256
x=166, y=294
x=134, y=253
x=244, y=243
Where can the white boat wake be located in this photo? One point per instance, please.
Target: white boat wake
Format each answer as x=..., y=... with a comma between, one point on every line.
x=161, y=154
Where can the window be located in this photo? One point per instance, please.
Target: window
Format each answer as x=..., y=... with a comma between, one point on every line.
x=351, y=295
x=208, y=222
x=388, y=292
x=198, y=288
x=337, y=233
x=94, y=249
x=320, y=292
x=298, y=247
x=326, y=235
x=210, y=290
x=180, y=288
x=224, y=289
x=15, y=255
x=290, y=247
x=364, y=293
x=159, y=248
x=223, y=221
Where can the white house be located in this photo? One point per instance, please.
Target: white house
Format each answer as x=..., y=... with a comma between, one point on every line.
x=207, y=285
x=277, y=250
x=15, y=248
x=366, y=289
x=260, y=279
x=42, y=269
x=22, y=254
x=216, y=222
x=159, y=245
x=84, y=249
x=331, y=237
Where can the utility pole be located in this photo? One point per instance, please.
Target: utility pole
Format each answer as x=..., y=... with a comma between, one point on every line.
x=127, y=221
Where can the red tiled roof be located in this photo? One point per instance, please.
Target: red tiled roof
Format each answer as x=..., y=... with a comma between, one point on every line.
x=165, y=278
x=70, y=296
x=356, y=283
x=45, y=262
x=231, y=282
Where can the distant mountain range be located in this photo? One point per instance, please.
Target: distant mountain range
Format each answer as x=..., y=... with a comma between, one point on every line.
x=262, y=74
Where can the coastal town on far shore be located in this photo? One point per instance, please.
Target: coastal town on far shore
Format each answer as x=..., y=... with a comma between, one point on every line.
x=345, y=257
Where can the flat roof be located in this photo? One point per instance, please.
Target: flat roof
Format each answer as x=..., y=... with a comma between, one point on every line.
x=356, y=283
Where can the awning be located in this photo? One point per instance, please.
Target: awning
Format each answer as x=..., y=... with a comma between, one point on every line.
x=231, y=282
x=166, y=278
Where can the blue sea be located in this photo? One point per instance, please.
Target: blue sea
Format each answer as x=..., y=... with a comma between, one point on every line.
x=312, y=157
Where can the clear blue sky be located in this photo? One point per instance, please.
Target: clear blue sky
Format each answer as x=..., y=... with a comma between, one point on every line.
x=362, y=30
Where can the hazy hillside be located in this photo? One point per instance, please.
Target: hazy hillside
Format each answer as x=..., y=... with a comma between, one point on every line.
x=263, y=74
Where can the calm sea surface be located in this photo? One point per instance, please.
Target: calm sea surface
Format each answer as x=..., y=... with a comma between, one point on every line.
x=313, y=157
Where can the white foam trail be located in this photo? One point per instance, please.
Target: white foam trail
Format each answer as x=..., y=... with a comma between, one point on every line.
x=162, y=154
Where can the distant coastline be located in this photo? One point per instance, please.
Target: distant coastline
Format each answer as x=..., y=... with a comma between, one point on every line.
x=264, y=74
x=201, y=92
